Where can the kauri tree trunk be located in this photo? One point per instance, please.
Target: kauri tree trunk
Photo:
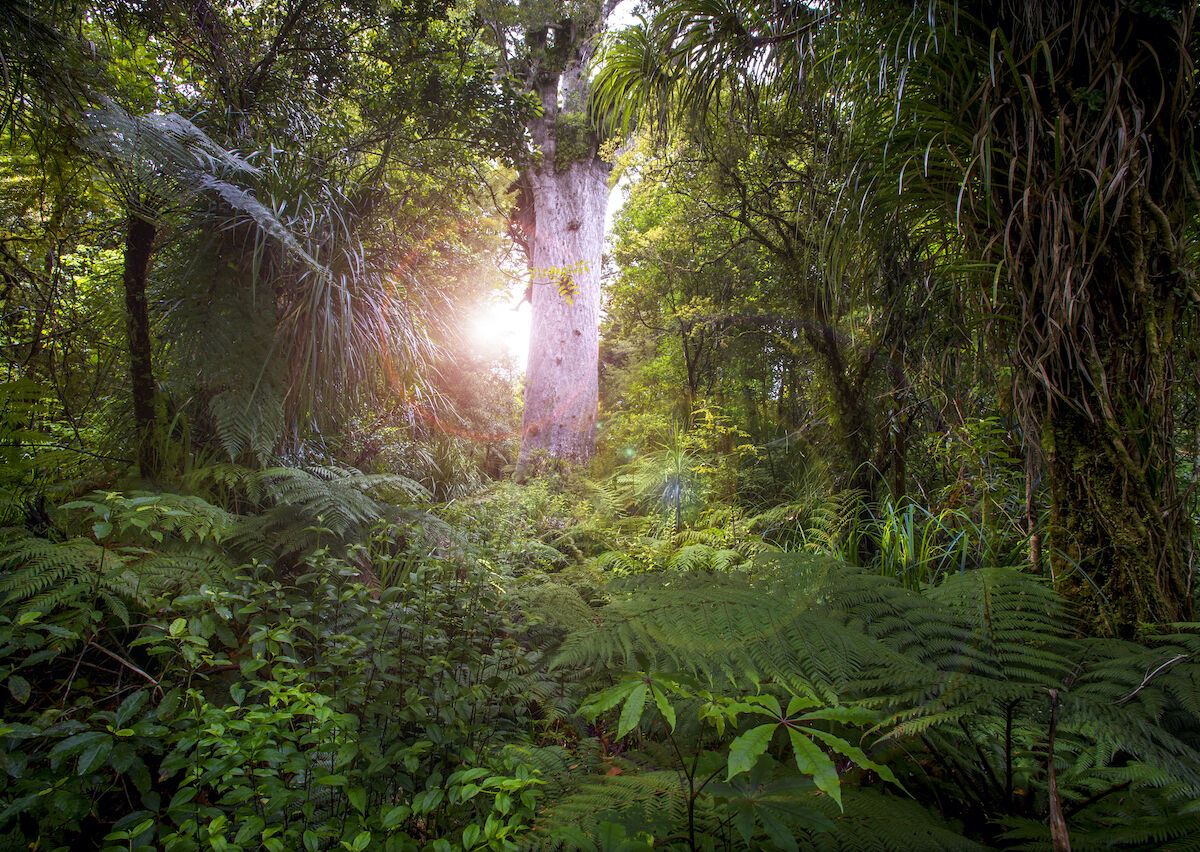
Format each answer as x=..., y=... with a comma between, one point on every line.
x=561, y=381
x=560, y=221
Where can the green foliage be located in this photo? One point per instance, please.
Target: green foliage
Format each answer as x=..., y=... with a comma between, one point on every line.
x=961, y=678
x=779, y=612
x=137, y=549
x=575, y=139
x=397, y=690
x=299, y=714
x=307, y=505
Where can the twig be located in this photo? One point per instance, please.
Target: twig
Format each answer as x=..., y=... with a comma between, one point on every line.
x=1178, y=658
x=118, y=658
x=1060, y=837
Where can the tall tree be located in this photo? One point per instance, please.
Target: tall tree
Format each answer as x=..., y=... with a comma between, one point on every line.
x=373, y=121
x=1081, y=189
x=152, y=163
x=1055, y=137
x=559, y=221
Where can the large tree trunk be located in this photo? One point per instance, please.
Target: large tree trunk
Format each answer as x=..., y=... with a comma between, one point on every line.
x=1113, y=547
x=1119, y=528
x=1094, y=214
x=560, y=221
x=139, y=245
x=561, y=382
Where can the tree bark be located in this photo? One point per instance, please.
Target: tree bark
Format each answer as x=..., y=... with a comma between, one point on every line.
x=139, y=246
x=561, y=379
x=560, y=222
x=1116, y=528
x=1097, y=277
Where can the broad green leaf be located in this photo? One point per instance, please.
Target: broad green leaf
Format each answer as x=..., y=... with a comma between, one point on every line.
x=19, y=688
x=664, y=706
x=714, y=715
x=631, y=713
x=743, y=820
x=77, y=742
x=798, y=703
x=468, y=791
x=94, y=756
x=182, y=797
x=130, y=706
x=856, y=754
x=606, y=699
x=396, y=816
x=847, y=715
x=812, y=761
x=745, y=751
x=250, y=829
x=777, y=830
x=19, y=806
x=764, y=705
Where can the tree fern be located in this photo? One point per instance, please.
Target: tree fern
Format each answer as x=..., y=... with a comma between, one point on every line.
x=247, y=423
x=305, y=507
x=653, y=799
x=964, y=673
x=40, y=574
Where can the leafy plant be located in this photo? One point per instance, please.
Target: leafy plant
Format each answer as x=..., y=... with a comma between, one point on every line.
x=980, y=676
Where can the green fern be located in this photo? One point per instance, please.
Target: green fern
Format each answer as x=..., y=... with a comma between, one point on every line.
x=247, y=423
x=965, y=674
x=310, y=506
x=139, y=547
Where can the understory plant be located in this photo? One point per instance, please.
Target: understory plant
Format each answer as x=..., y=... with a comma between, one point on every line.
x=799, y=702
x=314, y=710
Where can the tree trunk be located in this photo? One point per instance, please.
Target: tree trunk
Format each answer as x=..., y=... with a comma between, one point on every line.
x=560, y=221
x=561, y=379
x=852, y=415
x=139, y=245
x=1117, y=529
x=1097, y=275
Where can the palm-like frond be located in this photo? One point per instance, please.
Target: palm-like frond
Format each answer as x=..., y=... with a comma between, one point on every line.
x=693, y=56
x=306, y=507
x=965, y=673
x=157, y=159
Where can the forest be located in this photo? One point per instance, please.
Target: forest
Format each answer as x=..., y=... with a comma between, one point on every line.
x=599, y=425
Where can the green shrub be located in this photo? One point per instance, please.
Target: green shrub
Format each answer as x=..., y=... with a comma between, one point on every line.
x=313, y=712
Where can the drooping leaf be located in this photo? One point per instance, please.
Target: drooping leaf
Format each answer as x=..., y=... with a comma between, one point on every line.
x=812, y=761
x=631, y=713
x=745, y=751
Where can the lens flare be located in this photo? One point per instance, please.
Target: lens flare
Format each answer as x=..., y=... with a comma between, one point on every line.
x=500, y=329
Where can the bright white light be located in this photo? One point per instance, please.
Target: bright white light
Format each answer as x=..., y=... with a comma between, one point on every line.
x=500, y=328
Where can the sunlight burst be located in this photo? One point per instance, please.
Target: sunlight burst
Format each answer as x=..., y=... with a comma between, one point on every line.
x=500, y=328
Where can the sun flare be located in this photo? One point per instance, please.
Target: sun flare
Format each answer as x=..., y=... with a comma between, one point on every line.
x=499, y=328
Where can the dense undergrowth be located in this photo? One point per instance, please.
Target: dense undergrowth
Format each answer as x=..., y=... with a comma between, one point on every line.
x=322, y=659
x=886, y=539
